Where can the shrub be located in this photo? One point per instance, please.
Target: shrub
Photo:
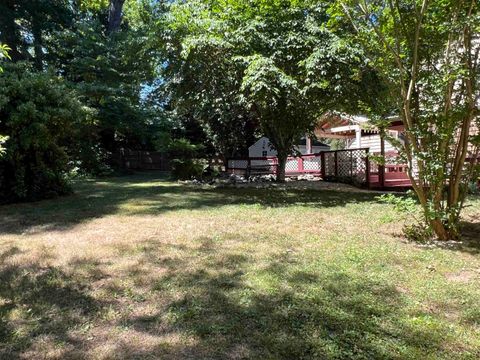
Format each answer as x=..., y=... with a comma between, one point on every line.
x=37, y=122
x=185, y=162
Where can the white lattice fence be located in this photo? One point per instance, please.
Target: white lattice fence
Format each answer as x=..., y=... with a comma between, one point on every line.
x=312, y=163
x=292, y=165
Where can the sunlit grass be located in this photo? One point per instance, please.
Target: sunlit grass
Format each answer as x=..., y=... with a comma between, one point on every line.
x=139, y=267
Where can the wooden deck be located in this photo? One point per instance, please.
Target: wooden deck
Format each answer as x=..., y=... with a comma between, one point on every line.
x=338, y=165
x=395, y=176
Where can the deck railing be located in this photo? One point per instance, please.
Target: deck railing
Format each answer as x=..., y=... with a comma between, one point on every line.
x=350, y=165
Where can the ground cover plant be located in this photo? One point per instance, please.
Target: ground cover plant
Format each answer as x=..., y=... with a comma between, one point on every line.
x=140, y=267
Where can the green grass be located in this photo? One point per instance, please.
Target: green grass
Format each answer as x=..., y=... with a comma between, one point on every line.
x=140, y=267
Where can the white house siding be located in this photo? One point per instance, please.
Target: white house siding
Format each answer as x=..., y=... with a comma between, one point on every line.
x=261, y=148
x=371, y=142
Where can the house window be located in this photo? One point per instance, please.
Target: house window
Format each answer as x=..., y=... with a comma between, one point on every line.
x=264, y=153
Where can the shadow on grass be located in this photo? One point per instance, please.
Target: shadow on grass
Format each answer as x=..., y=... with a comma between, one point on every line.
x=299, y=314
x=231, y=305
x=152, y=193
x=38, y=301
x=470, y=241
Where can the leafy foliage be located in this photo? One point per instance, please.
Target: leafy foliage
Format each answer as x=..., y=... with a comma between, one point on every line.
x=202, y=78
x=109, y=78
x=4, y=53
x=36, y=131
x=273, y=65
x=185, y=163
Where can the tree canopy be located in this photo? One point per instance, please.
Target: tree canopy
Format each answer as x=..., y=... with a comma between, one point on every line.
x=270, y=66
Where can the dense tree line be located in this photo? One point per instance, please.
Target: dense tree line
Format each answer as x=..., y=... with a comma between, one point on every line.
x=71, y=92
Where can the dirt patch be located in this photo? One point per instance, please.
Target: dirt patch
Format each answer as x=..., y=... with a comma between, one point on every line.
x=464, y=276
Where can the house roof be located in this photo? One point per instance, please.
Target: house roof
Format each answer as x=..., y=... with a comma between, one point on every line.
x=315, y=142
x=302, y=141
x=335, y=125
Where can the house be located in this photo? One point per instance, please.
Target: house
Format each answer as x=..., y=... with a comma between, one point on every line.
x=263, y=148
x=358, y=133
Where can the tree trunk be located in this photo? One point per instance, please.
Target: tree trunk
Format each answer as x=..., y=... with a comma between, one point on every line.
x=441, y=231
x=115, y=15
x=38, y=46
x=282, y=162
x=9, y=32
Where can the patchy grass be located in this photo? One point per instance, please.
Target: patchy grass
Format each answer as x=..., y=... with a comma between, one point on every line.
x=139, y=267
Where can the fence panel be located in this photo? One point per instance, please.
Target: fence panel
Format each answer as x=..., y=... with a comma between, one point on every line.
x=142, y=160
x=347, y=165
x=312, y=163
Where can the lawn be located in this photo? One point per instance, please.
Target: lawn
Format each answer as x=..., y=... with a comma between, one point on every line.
x=139, y=267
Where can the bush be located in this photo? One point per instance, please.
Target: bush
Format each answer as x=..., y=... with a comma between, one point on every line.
x=38, y=114
x=186, y=169
x=185, y=162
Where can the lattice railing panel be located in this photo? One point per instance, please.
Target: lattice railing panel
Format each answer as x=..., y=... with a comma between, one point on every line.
x=292, y=165
x=346, y=164
x=359, y=165
x=329, y=164
x=313, y=163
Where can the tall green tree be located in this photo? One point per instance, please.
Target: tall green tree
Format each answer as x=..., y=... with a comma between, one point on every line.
x=296, y=70
x=109, y=70
x=428, y=52
x=24, y=26
x=202, y=77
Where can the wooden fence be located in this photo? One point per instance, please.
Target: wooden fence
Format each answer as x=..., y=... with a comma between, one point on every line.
x=142, y=160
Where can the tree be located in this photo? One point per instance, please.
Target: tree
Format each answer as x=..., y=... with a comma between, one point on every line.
x=109, y=72
x=24, y=25
x=115, y=15
x=428, y=52
x=297, y=70
x=280, y=102
x=202, y=78
x=234, y=65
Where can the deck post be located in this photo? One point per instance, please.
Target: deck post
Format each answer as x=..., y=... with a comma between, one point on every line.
x=300, y=164
x=322, y=164
x=367, y=168
x=358, y=137
x=381, y=168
